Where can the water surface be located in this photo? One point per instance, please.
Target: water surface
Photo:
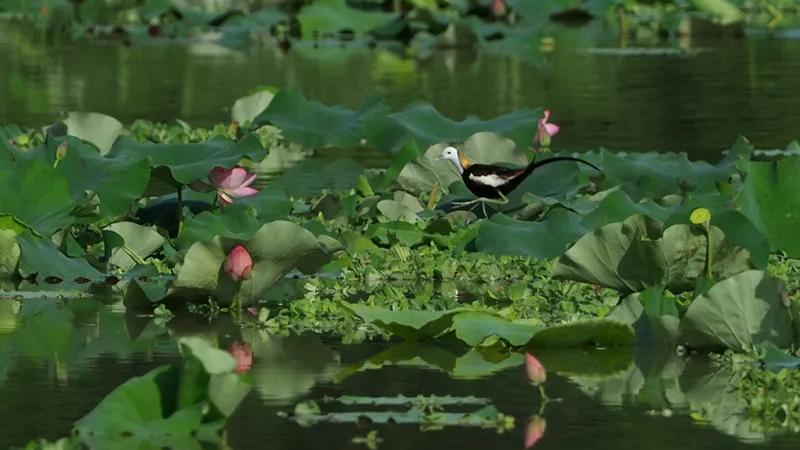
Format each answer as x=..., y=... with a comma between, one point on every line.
x=60, y=361
x=698, y=101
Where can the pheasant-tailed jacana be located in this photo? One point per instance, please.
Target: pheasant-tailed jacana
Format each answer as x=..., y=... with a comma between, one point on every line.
x=492, y=183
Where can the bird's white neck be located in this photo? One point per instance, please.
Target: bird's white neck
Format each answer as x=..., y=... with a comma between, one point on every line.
x=453, y=158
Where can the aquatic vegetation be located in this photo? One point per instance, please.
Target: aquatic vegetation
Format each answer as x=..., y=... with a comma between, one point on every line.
x=651, y=250
x=422, y=25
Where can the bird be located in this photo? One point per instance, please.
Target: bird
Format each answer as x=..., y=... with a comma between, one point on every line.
x=492, y=183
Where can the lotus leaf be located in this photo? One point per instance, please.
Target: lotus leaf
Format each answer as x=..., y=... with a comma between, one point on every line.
x=545, y=239
x=633, y=255
x=423, y=123
x=404, y=207
x=99, y=129
x=40, y=196
x=739, y=313
x=189, y=162
x=42, y=258
x=333, y=16
x=9, y=253
x=314, y=124
x=769, y=199
x=276, y=248
x=246, y=109
x=148, y=410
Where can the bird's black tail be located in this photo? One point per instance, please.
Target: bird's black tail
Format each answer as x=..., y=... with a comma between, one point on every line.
x=536, y=164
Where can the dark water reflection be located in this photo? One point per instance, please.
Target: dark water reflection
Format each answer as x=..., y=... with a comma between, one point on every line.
x=53, y=375
x=697, y=102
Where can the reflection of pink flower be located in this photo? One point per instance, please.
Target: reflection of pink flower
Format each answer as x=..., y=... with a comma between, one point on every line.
x=535, y=369
x=498, y=8
x=534, y=431
x=243, y=355
x=232, y=183
x=238, y=264
x=545, y=130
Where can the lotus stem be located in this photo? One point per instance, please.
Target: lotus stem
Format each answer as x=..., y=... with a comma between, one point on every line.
x=709, y=253
x=180, y=209
x=545, y=399
x=434, y=196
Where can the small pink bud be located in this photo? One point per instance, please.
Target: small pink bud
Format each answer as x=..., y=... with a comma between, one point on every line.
x=534, y=431
x=545, y=130
x=238, y=264
x=535, y=370
x=243, y=355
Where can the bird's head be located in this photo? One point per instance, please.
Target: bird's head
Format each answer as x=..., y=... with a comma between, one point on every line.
x=451, y=154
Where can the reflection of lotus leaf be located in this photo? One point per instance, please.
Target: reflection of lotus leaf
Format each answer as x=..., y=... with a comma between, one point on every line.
x=286, y=367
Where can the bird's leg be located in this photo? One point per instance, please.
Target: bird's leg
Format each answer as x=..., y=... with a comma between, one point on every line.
x=497, y=201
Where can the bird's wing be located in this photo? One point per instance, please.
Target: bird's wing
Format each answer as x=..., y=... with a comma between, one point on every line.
x=494, y=176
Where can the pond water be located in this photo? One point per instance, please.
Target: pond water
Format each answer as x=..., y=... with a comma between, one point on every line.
x=58, y=362
x=698, y=101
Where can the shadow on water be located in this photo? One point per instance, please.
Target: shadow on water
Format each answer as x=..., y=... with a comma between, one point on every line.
x=58, y=361
x=697, y=99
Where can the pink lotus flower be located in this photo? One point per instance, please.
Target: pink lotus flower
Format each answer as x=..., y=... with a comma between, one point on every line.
x=232, y=183
x=535, y=370
x=534, y=431
x=243, y=355
x=545, y=130
x=238, y=264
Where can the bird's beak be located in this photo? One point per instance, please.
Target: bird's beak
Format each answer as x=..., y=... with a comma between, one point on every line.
x=438, y=158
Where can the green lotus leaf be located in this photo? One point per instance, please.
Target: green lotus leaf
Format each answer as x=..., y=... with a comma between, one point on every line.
x=597, y=332
x=475, y=327
x=423, y=123
x=409, y=325
x=168, y=406
x=9, y=253
x=314, y=124
x=99, y=129
x=658, y=174
x=41, y=257
x=769, y=199
x=739, y=313
x=36, y=195
x=653, y=314
x=276, y=248
x=117, y=182
x=544, y=239
x=404, y=207
x=138, y=242
x=721, y=11
x=189, y=162
x=596, y=257
x=246, y=109
x=333, y=16
x=236, y=221
x=635, y=254
x=315, y=175
x=617, y=206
